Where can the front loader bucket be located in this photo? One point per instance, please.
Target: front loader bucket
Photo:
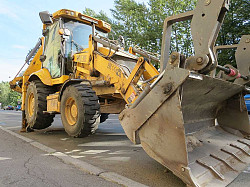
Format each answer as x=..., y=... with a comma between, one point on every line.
x=194, y=125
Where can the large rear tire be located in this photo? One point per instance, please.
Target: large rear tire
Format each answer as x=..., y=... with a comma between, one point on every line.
x=80, y=110
x=36, y=103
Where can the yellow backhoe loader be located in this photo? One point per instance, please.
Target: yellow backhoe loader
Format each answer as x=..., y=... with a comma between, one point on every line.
x=188, y=118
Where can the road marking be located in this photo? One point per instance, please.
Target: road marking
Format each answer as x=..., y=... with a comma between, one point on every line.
x=64, y=139
x=15, y=127
x=82, y=165
x=117, y=158
x=121, y=152
x=93, y=152
x=74, y=156
x=105, y=144
x=73, y=151
x=4, y=158
x=12, y=114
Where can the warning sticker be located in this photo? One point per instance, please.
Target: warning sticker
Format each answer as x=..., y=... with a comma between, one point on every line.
x=131, y=97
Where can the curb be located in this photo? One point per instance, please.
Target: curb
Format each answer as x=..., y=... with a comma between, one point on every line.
x=114, y=177
x=82, y=165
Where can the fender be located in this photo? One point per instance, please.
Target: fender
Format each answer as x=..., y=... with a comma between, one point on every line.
x=70, y=82
x=44, y=75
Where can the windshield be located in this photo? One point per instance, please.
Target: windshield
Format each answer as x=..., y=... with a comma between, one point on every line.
x=79, y=38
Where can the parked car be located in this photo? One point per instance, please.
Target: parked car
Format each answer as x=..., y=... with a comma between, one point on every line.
x=18, y=107
x=9, y=107
x=247, y=100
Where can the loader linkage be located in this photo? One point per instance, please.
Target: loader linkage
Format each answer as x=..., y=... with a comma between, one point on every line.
x=196, y=124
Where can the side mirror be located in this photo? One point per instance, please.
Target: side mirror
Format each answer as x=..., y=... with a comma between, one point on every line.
x=46, y=17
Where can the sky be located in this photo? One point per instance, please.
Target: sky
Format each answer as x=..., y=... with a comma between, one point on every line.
x=20, y=27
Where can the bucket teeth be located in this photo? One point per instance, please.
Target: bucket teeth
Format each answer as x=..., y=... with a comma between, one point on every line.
x=195, y=127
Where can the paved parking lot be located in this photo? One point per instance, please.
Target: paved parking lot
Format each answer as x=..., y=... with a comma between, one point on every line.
x=109, y=149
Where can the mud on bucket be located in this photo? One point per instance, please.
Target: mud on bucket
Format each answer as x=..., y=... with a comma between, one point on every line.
x=194, y=125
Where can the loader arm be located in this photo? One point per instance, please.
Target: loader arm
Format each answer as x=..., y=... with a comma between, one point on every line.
x=20, y=82
x=114, y=74
x=206, y=21
x=14, y=86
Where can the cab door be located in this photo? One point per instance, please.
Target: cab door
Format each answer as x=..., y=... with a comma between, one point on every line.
x=52, y=50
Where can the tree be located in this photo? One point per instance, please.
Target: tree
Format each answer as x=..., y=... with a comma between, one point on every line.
x=236, y=24
x=181, y=36
x=8, y=96
x=101, y=15
x=142, y=25
x=131, y=21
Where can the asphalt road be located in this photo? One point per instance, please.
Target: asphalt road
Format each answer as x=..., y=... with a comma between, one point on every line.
x=109, y=149
x=23, y=165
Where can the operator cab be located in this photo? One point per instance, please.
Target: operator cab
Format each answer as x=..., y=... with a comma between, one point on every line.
x=66, y=33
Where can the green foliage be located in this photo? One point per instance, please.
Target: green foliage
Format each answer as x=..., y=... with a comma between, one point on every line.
x=131, y=21
x=181, y=36
x=236, y=24
x=102, y=16
x=8, y=96
x=142, y=25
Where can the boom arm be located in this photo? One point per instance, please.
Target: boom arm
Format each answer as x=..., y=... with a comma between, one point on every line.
x=206, y=22
x=127, y=86
x=113, y=72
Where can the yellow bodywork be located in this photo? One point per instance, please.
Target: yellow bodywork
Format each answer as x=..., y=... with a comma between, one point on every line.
x=53, y=105
x=121, y=87
x=81, y=18
x=45, y=77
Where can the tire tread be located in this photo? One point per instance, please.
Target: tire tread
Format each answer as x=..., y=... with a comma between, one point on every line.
x=42, y=120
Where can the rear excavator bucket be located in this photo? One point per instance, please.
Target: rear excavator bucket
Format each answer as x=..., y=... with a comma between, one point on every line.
x=194, y=124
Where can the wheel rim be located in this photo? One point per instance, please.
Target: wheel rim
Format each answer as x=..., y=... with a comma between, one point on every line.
x=71, y=112
x=31, y=103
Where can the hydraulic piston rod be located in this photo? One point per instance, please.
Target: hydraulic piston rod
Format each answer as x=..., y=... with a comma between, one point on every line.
x=231, y=72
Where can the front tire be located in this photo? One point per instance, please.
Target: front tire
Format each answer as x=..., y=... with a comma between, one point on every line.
x=80, y=110
x=36, y=103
